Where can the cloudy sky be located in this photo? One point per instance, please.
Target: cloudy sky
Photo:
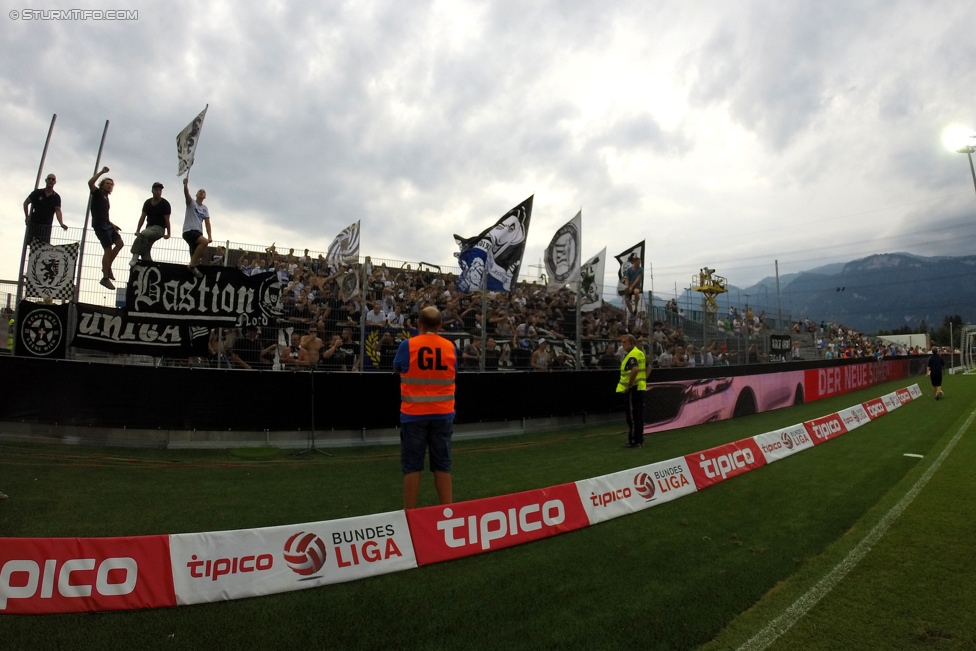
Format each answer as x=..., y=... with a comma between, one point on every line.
x=728, y=134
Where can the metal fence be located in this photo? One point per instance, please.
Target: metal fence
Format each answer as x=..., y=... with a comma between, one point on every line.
x=333, y=304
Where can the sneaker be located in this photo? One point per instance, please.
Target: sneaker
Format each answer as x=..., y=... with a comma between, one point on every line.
x=196, y=272
x=106, y=282
x=3, y=496
x=630, y=445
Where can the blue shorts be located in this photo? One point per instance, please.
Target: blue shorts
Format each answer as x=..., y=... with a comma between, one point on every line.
x=418, y=436
x=106, y=234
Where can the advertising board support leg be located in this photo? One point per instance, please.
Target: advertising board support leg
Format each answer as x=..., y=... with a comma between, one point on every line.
x=310, y=439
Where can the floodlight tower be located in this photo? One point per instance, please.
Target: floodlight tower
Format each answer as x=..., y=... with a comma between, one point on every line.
x=963, y=141
x=710, y=286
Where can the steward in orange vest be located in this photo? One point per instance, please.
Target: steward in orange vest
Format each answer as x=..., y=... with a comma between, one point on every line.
x=427, y=365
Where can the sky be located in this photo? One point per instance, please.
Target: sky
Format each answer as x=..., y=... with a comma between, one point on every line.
x=725, y=134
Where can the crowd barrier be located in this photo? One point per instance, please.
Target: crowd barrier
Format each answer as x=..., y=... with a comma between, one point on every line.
x=64, y=575
x=91, y=397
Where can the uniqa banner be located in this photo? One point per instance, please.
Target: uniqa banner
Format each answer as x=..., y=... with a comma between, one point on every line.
x=121, y=332
x=224, y=296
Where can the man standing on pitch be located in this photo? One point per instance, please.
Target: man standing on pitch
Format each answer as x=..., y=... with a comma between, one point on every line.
x=633, y=383
x=155, y=214
x=427, y=365
x=935, y=366
x=197, y=215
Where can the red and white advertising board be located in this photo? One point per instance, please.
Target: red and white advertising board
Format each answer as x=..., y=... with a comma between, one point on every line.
x=821, y=383
x=629, y=491
x=915, y=392
x=825, y=428
x=854, y=417
x=891, y=401
x=70, y=575
x=875, y=408
x=904, y=396
x=724, y=462
x=222, y=565
x=783, y=442
x=443, y=533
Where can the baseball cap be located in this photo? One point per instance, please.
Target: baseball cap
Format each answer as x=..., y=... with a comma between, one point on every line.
x=157, y=184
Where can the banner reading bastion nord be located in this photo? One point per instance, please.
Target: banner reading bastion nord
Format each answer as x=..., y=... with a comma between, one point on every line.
x=169, y=313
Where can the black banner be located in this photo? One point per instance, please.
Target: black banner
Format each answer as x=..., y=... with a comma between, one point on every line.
x=779, y=347
x=223, y=297
x=117, y=331
x=42, y=330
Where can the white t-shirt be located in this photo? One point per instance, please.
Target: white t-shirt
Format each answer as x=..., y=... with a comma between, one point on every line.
x=195, y=214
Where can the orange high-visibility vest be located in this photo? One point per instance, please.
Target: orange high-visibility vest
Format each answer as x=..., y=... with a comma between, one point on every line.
x=427, y=388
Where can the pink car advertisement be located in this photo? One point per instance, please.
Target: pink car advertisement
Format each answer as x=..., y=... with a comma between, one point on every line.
x=670, y=405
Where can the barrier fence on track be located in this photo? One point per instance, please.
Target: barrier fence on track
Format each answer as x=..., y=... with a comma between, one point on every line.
x=64, y=575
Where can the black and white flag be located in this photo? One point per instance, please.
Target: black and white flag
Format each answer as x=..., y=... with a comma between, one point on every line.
x=563, y=254
x=345, y=247
x=492, y=259
x=591, y=282
x=50, y=270
x=186, y=142
x=627, y=271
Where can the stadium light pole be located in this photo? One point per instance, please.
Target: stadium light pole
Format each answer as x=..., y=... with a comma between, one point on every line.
x=963, y=141
x=968, y=150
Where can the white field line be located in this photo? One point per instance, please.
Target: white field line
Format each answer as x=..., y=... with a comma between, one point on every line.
x=801, y=606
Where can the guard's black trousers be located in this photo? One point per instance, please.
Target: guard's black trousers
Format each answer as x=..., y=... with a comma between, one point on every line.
x=635, y=415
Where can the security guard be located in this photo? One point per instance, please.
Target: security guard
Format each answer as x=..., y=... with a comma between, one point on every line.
x=633, y=383
x=427, y=365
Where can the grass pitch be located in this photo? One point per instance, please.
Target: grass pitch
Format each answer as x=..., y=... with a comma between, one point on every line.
x=709, y=569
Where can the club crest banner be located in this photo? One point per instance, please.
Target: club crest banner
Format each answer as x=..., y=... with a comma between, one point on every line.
x=50, y=270
x=563, y=254
x=492, y=259
x=41, y=330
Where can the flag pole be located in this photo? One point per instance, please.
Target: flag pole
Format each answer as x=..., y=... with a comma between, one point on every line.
x=84, y=229
x=37, y=183
x=23, y=249
x=579, y=298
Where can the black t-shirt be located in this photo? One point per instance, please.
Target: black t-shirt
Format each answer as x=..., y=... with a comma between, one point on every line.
x=348, y=353
x=43, y=207
x=155, y=215
x=936, y=364
x=99, y=207
x=249, y=350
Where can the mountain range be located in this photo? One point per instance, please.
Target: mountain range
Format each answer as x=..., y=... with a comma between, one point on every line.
x=880, y=292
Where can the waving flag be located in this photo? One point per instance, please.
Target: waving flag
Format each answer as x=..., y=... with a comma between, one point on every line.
x=563, y=254
x=493, y=258
x=186, y=142
x=591, y=279
x=345, y=247
x=635, y=252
